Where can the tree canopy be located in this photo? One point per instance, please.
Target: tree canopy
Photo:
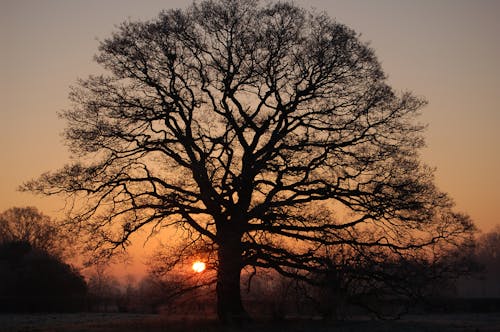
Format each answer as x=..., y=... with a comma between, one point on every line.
x=266, y=132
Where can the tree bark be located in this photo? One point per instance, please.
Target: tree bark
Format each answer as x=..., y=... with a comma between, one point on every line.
x=230, y=308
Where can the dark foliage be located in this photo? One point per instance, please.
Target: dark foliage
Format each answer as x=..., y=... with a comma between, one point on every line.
x=32, y=280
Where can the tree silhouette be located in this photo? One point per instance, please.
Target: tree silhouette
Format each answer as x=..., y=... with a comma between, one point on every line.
x=33, y=275
x=33, y=280
x=28, y=225
x=488, y=256
x=388, y=283
x=231, y=121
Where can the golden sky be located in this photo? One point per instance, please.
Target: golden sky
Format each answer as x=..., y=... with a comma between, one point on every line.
x=447, y=51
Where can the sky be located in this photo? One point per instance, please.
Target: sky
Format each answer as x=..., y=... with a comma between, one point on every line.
x=447, y=51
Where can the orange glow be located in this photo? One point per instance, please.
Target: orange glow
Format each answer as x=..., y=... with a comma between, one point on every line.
x=199, y=266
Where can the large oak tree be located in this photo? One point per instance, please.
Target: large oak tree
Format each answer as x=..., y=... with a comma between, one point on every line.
x=236, y=122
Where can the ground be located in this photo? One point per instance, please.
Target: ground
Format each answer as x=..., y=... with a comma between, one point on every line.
x=94, y=322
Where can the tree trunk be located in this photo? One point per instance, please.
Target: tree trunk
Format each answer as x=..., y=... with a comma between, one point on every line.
x=229, y=306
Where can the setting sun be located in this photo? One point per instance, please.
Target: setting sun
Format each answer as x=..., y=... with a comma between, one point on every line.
x=199, y=266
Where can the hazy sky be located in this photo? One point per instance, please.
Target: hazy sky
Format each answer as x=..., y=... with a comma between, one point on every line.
x=447, y=51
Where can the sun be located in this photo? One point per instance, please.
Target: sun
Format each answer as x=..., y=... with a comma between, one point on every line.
x=199, y=266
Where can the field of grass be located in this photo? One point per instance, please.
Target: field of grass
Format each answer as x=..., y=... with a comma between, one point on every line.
x=94, y=322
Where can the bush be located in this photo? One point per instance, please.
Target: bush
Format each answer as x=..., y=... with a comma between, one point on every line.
x=32, y=280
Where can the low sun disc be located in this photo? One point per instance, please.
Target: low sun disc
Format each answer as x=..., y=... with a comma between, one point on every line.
x=199, y=266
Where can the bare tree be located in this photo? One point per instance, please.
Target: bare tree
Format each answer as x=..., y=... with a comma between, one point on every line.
x=388, y=283
x=227, y=120
x=33, y=274
x=488, y=256
x=28, y=225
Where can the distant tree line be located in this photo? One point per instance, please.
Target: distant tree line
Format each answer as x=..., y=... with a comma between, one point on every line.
x=373, y=282
x=35, y=277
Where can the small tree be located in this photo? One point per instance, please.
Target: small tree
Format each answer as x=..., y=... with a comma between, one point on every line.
x=488, y=256
x=228, y=120
x=33, y=274
x=28, y=225
x=389, y=282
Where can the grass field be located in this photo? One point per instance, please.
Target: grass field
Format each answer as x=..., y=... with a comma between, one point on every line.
x=94, y=322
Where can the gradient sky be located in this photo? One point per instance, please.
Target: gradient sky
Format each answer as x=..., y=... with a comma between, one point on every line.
x=447, y=51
